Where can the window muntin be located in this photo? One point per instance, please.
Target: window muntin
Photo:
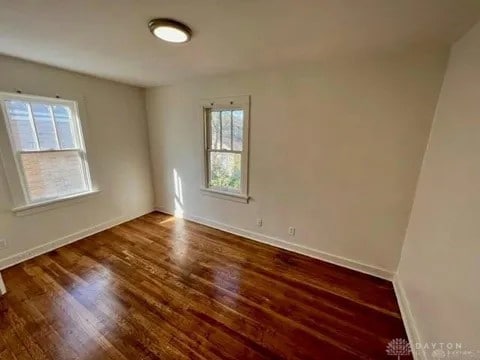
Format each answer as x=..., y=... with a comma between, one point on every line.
x=47, y=143
x=226, y=157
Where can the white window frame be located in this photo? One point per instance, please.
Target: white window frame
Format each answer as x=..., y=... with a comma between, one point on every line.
x=11, y=161
x=220, y=104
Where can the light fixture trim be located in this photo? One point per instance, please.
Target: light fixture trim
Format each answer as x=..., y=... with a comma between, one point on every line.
x=170, y=30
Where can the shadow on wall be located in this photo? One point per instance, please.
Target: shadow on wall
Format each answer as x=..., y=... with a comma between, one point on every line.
x=178, y=194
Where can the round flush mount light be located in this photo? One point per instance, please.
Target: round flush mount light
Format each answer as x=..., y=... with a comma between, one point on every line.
x=170, y=30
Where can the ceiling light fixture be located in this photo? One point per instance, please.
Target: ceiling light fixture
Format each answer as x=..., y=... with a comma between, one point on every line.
x=170, y=30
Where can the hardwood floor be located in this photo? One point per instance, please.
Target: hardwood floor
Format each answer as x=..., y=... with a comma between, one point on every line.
x=164, y=288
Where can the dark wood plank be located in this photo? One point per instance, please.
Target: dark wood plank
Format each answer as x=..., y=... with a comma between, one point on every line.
x=163, y=288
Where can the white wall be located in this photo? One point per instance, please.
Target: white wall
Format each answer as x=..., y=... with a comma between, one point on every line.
x=117, y=144
x=440, y=264
x=336, y=149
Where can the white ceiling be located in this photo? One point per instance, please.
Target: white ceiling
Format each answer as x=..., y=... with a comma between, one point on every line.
x=110, y=38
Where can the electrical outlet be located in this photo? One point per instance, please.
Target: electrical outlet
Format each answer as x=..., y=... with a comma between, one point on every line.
x=291, y=231
x=259, y=222
x=3, y=244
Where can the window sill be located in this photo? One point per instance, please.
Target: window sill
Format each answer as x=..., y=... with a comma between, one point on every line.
x=52, y=204
x=226, y=195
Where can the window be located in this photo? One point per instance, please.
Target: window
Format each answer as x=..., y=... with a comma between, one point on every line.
x=226, y=146
x=47, y=147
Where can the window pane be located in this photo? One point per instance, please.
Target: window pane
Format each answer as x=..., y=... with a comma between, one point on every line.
x=225, y=171
x=238, y=130
x=47, y=139
x=65, y=130
x=20, y=125
x=53, y=174
x=215, y=130
x=226, y=130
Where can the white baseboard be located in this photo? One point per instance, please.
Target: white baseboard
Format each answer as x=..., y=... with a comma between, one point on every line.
x=314, y=253
x=3, y=289
x=55, y=244
x=408, y=319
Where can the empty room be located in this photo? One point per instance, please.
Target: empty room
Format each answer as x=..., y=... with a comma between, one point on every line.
x=239, y=179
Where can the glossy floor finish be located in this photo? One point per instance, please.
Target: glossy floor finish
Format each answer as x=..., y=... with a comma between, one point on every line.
x=164, y=288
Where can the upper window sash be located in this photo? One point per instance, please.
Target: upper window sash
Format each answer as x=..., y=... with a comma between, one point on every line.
x=31, y=100
x=231, y=148
x=232, y=103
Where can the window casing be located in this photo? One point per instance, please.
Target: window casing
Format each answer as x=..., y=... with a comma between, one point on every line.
x=226, y=130
x=46, y=149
